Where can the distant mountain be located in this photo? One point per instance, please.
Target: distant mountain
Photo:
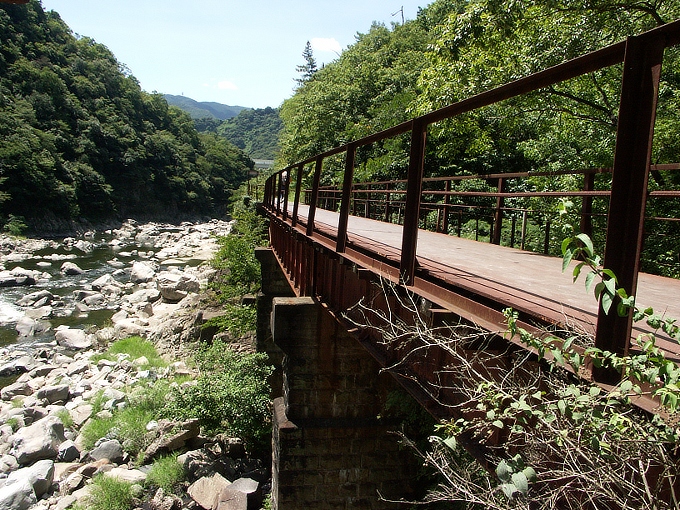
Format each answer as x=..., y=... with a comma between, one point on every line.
x=203, y=109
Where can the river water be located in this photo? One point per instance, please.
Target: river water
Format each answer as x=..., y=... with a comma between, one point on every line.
x=110, y=254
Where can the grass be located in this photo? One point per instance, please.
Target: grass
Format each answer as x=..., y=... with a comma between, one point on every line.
x=107, y=493
x=65, y=418
x=166, y=473
x=135, y=347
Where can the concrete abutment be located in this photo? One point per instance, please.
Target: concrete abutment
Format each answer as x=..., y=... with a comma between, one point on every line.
x=330, y=448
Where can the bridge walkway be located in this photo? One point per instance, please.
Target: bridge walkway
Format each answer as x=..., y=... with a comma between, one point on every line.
x=528, y=282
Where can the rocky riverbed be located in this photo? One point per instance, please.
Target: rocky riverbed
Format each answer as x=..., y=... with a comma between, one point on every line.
x=58, y=309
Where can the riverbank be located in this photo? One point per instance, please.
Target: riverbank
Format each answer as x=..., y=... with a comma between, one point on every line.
x=154, y=288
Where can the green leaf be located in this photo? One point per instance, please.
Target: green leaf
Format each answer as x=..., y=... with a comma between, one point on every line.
x=590, y=278
x=566, y=259
x=587, y=244
x=498, y=424
x=503, y=471
x=562, y=406
x=566, y=245
x=530, y=474
x=606, y=302
x=577, y=270
x=451, y=442
x=520, y=481
x=508, y=489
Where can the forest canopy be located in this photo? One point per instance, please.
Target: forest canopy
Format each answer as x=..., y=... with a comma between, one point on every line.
x=79, y=139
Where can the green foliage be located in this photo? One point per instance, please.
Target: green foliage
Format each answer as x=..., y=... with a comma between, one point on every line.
x=15, y=225
x=166, y=473
x=144, y=404
x=237, y=320
x=256, y=132
x=231, y=394
x=80, y=138
x=108, y=493
x=235, y=259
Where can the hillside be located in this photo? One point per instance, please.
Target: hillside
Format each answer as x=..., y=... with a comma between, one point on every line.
x=202, y=109
x=256, y=132
x=80, y=140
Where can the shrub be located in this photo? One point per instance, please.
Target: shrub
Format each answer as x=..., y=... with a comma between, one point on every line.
x=237, y=319
x=15, y=226
x=231, y=394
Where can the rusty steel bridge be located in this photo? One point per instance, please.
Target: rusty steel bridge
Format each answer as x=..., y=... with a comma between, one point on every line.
x=335, y=242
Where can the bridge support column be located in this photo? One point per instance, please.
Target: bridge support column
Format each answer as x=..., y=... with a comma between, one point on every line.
x=273, y=284
x=330, y=450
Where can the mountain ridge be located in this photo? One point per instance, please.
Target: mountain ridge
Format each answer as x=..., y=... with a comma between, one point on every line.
x=203, y=109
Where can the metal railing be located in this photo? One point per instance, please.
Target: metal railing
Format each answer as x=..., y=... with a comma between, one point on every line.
x=641, y=57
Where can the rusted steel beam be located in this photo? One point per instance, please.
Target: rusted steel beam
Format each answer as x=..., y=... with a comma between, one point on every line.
x=639, y=91
x=315, y=195
x=587, y=205
x=498, y=213
x=346, y=197
x=298, y=189
x=413, y=191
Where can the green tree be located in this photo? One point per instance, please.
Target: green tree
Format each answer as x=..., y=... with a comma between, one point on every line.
x=308, y=69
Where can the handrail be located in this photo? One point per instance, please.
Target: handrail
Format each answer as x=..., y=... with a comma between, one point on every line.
x=641, y=57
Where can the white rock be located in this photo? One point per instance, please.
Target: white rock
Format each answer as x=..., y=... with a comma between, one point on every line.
x=17, y=496
x=40, y=475
x=38, y=441
x=73, y=338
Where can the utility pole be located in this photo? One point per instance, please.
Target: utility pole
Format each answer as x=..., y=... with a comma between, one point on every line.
x=402, y=14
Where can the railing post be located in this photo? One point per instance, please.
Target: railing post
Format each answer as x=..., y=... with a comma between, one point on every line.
x=315, y=196
x=447, y=201
x=587, y=204
x=409, y=240
x=637, y=110
x=498, y=216
x=278, y=193
x=285, y=178
x=346, y=197
x=298, y=189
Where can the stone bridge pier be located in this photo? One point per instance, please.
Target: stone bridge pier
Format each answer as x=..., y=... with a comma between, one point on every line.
x=331, y=449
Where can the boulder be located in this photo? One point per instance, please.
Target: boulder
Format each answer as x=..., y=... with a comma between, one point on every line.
x=68, y=451
x=175, y=286
x=172, y=436
x=14, y=279
x=110, y=449
x=27, y=326
x=205, y=491
x=127, y=475
x=142, y=272
x=231, y=499
x=42, y=296
x=38, y=441
x=19, y=365
x=8, y=464
x=40, y=474
x=17, y=496
x=16, y=389
x=53, y=394
x=71, y=269
x=73, y=338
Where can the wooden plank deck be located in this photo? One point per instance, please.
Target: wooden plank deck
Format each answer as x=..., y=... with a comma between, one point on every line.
x=523, y=280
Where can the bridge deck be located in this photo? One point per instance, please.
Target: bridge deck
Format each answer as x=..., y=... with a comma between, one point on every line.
x=523, y=280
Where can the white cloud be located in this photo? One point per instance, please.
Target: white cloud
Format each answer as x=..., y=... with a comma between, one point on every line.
x=226, y=85
x=326, y=44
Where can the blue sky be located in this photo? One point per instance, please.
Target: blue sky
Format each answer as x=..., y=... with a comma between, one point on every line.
x=233, y=52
